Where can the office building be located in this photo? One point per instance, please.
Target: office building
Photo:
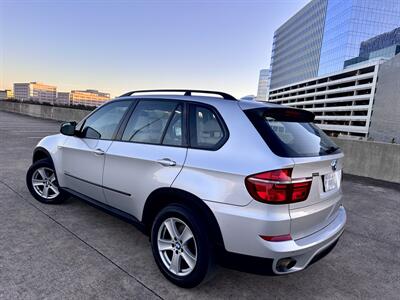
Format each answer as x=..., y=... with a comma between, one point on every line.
x=63, y=98
x=342, y=102
x=263, y=85
x=35, y=91
x=297, y=44
x=386, y=45
x=22, y=91
x=324, y=34
x=88, y=97
x=6, y=94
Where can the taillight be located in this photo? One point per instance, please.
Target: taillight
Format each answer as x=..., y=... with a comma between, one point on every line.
x=276, y=238
x=278, y=187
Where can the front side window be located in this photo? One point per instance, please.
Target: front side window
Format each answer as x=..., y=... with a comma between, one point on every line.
x=149, y=121
x=104, y=122
x=206, y=130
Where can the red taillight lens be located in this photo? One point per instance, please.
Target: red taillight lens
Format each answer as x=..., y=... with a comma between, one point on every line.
x=276, y=238
x=300, y=191
x=276, y=175
x=277, y=187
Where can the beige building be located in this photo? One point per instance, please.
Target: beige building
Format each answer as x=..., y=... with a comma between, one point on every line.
x=6, y=94
x=88, y=97
x=35, y=91
x=63, y=98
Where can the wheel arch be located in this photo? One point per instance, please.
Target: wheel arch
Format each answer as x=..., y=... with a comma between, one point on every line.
x=162, y=197
x=41, y=153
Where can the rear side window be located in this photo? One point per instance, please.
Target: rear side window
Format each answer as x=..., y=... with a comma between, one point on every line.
x=291, y=132
x=206, y=129
x=149, y=121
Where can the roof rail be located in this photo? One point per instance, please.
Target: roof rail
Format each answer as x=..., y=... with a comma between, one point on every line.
x=186, y=93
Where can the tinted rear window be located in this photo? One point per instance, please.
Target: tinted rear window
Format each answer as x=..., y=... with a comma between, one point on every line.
x=291, y=132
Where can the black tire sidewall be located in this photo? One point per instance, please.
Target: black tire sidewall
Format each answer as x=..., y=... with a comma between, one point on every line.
x=40, y=164
x=205, y=255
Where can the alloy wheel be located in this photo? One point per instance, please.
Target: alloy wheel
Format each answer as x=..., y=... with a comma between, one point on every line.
x=177, y=246
x=44, y=183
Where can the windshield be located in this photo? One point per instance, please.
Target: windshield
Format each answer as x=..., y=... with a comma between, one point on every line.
x=294, y=136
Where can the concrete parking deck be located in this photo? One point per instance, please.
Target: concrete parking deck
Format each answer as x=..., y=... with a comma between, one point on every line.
x=75, y=251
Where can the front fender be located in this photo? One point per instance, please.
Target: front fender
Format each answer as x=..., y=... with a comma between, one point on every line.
x=51, y=146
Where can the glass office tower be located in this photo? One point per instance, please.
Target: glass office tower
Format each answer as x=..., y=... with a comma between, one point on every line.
x=322, y=35
x=382, y=46
x=297, y=44
x=348, y=23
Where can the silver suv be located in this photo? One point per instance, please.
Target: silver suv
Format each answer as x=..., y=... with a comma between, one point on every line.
x=202, y=176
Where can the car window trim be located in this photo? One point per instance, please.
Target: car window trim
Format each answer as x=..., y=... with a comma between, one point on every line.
x=186, y=106
x=186, y=120
x=169, y=123
x=121, y=128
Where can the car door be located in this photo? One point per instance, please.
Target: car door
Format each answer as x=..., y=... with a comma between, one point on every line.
x=83, y=154
x=149, y=154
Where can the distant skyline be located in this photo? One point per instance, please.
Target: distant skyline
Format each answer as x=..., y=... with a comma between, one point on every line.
x=117, y=46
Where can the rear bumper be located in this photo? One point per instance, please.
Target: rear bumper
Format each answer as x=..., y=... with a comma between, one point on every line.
x=304, y=250
x=241, y=228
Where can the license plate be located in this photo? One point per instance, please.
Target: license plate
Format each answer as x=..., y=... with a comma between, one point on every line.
x=332, y=181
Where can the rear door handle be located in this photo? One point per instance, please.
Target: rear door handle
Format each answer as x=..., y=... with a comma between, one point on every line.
x=98, y=151
x=166, y=162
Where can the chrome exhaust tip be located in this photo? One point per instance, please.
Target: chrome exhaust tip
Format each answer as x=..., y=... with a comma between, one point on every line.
x=285, y=264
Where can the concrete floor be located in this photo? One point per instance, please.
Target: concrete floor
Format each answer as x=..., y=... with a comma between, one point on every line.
x=75, y=251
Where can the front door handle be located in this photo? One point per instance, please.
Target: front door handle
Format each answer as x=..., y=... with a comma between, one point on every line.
x=166, y=162
x=98, y=151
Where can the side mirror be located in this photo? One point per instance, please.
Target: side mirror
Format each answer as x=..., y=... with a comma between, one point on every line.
x=68, y=128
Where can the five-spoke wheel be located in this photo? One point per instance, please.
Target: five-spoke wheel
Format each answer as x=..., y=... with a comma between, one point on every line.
x=177, y=246
x=181, y=245
x=41, y=180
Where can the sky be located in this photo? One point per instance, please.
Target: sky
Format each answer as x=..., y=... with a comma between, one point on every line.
x=118, y=46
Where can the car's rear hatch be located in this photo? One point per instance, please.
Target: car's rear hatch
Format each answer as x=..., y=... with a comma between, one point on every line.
x=291, y=133
x=321, y=206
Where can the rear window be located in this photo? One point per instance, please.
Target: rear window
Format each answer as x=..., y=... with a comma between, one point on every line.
x=291, y=132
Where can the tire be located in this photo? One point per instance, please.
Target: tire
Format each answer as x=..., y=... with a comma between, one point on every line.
x=41, y=178
x=187, y=275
